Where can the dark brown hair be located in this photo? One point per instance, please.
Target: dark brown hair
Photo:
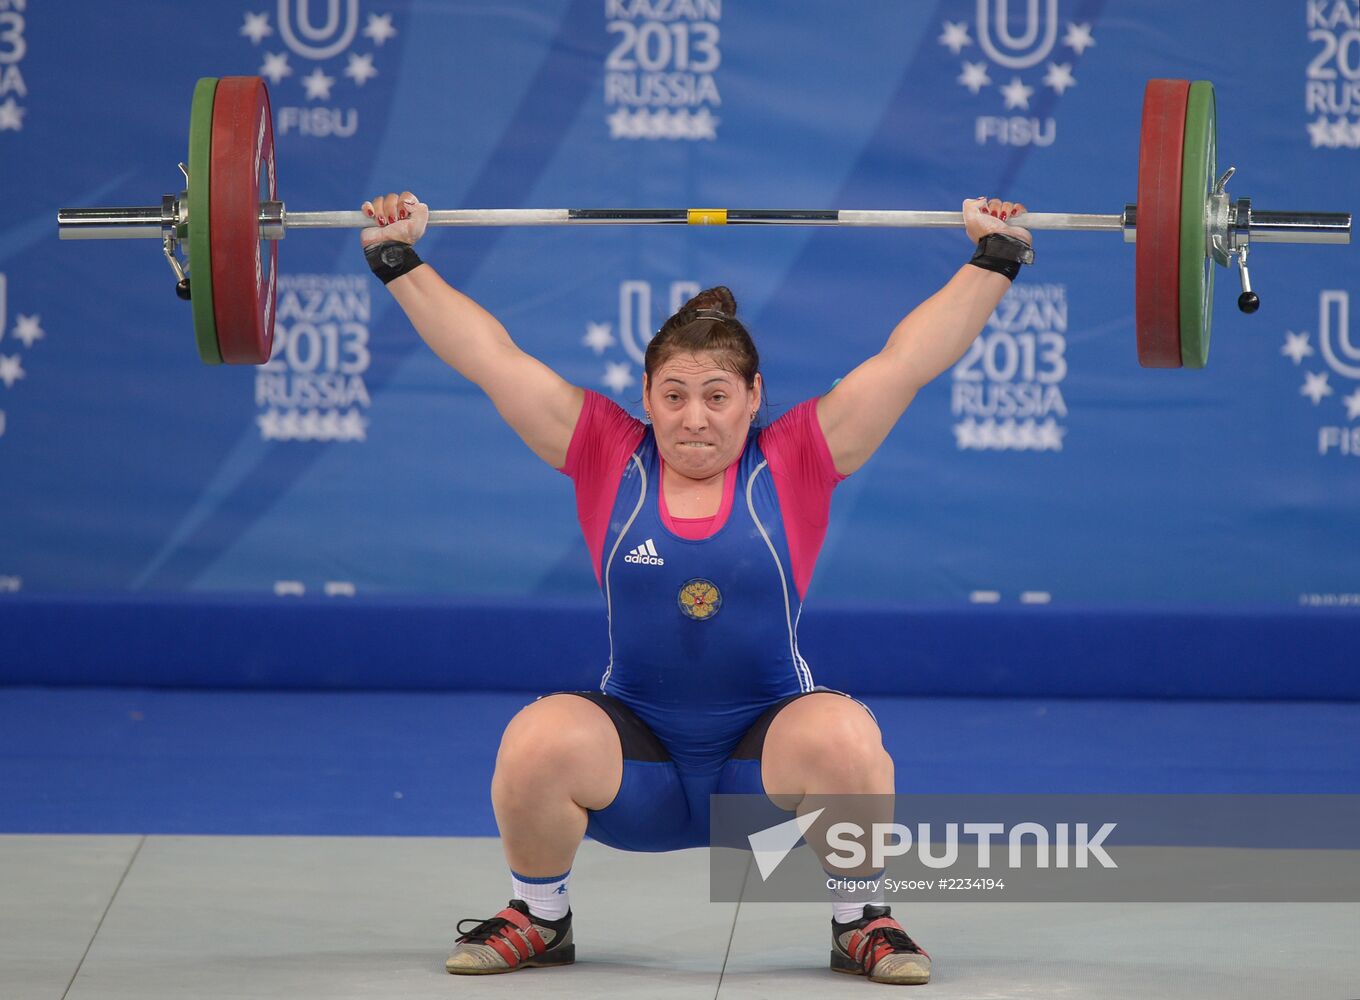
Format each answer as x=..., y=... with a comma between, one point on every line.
x=708, y=324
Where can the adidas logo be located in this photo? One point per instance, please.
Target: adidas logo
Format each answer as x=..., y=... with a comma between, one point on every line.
x=645, y=555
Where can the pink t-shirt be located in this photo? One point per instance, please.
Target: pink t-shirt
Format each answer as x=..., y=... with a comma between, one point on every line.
x=800, y=461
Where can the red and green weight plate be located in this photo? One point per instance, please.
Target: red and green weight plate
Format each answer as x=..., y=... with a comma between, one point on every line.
x=1174, y=278
x=231, y=171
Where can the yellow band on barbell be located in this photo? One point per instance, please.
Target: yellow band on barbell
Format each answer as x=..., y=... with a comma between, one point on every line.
x=707, y=217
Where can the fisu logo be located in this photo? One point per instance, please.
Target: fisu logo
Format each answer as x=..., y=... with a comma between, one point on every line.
x=1015, y=39
x=315, y=31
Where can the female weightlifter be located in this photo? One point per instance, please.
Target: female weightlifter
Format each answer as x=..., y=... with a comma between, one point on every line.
x=703, y=528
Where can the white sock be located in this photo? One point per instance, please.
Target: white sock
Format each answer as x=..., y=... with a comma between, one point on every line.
x=848, y=904
x=547, y=897
x=844, y=913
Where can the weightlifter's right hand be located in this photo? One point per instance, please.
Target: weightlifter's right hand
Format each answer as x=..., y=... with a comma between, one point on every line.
x=400, y=217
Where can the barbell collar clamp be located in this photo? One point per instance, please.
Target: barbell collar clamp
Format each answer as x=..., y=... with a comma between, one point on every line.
x=1240, y=231
x=272, y=216
x=1219, y=215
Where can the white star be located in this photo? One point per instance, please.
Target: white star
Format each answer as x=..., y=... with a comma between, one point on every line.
x=1296, y=346
x=1059, y=77
x=256, y=27
x=269, y=424
x=11, y=116
x=619, y=124
x=974, y=76
x=1017, y=94
x=360, y=68
x=330, y=426
x=1352, y=405
x=380, y=28
x=1078, y=37
x=26, y=328
x=10, y=369
x=276, y=67
x=965, y=435
x=618, y=376
x=702, y=125
x=598, y=337
x=1050, y=435
x=318, y=85
x=1315, y=386
x=1320, y=133
x=955, y=36
x=1342, y=137
x=354, y=425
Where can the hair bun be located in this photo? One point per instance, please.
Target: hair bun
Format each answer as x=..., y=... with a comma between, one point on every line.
x=718, y=299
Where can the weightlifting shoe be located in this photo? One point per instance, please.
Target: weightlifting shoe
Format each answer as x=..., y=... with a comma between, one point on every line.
x=876, y=946
x=511, y=940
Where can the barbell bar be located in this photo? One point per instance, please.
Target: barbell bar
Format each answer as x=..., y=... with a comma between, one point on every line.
x=148, y=222
x=1183, y=223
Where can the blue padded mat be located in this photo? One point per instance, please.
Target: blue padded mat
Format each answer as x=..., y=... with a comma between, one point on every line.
x=206, y=762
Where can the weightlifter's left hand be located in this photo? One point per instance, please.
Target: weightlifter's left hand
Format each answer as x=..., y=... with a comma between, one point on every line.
x=982, y=216
x=401, y=217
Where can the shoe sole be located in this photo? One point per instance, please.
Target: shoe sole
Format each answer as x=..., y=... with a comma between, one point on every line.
x=563, y=956
x=848, y=966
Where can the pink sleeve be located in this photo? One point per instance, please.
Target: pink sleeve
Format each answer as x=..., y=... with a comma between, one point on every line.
x=804, y=476
x=604, y=437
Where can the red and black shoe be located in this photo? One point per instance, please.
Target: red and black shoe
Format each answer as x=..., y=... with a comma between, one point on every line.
x=512, y=939
x=876, y=946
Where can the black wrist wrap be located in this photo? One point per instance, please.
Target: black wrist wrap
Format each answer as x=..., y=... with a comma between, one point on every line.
x=391, y=260
x=1002, y=254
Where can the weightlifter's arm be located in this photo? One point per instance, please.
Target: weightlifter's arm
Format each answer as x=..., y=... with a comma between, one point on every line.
x=859, y=412
x=538, y=404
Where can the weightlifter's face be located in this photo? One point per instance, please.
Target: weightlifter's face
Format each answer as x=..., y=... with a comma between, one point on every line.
x=700, y=413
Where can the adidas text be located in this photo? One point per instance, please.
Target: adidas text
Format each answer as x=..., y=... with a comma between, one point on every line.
x=645, y=555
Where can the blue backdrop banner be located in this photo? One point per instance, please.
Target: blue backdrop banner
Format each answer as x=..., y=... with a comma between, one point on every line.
x=1045, y=468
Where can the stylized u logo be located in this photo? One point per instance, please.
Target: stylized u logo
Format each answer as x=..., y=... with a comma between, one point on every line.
x=1333, y=302
x=322, y=42
x=1017, y=51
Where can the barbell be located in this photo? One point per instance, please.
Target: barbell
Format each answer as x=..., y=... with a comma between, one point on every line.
x=229, y=221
